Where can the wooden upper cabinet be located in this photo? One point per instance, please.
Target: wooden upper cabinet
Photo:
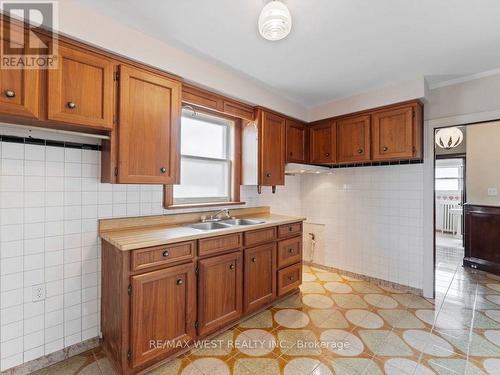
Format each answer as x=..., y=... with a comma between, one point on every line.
x=260, y=276
x=163, y=307
x=323, y=143
x=219, y=291
x=395, y=133
x=296, y=142
x=80, y=90
x=149, y=108
x=353, y=139
x=19, y=88
x=271, y=149
x=206, y=99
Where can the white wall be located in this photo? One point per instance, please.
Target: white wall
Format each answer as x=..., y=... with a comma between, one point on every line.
x=390, y=94
x=50, y=203
x=483, y=156
x=372, y=218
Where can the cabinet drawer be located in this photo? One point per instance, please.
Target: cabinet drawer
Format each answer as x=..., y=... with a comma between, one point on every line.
x=259, y=236
x=289, y=278
x=208, y=246
x=289, y=251
x=162, y=255
x=288, y=230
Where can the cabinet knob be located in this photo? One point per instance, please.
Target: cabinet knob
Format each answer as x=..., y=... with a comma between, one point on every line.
x=254, y=259
x=291, y=153
x=163, y=170
x=360, y=151
x=71, y=105
x=10, y=93
x=268, y=174
x=290, y=278
x=327, y=154
x=179, y=281
x=290, y=229
x=165, y=253
x=231, y=266
x=385, y=148
x=290, y=250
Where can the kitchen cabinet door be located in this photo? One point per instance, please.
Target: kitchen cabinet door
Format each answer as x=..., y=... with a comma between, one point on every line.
x=219, y=291
x=296, y=142
x=394, y=133
x=259, y=286
x=150, y=107
x=353, y=139
x=323, y=143
x=271, y=149
x=19, y=88
x=163, y=307
x=80, y=90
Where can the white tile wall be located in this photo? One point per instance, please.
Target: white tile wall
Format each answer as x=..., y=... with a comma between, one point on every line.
x=373, y=220
x=50, y=203
x=51, y=200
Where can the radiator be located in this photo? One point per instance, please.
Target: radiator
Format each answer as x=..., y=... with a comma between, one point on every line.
x=444, y=218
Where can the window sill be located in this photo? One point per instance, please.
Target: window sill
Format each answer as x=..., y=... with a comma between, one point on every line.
x=199, y=205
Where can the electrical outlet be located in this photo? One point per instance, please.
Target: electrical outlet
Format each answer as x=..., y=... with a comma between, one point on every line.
x=38, y=293
x=492, y=192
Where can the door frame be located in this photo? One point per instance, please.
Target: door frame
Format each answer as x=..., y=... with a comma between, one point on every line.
x=430, y=126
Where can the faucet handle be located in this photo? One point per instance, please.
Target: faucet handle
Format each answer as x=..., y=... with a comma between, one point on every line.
x=203, y=218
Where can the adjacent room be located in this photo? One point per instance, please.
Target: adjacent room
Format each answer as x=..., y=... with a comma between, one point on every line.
x=278, y=187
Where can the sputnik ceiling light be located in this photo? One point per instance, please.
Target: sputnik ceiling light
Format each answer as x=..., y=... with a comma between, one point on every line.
x=275, y=21
x=449, y=137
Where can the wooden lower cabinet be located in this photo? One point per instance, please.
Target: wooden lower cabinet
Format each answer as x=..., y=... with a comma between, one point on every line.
x=259, y=276
x=163, y=312
x=219, y=291
x=156, y=300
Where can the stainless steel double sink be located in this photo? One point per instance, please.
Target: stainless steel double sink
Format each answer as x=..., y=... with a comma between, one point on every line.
x=224, y=224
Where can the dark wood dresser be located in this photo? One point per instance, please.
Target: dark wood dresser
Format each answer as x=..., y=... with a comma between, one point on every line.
x=482, y=237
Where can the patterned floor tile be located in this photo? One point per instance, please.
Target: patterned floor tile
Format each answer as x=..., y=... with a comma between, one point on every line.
x=454, y=366
x=342, y=343
x=356, y=366
x=385, y=343
x=349, y=301
x=290, y=318
x=401, y=319
x=412, y=301
x=328, y=276
x=338, y=287
x=328, y=319
x=292, y=302
x=311, y=287
x=364, y=318
x=400, y=366
x=471, y=343
x=317, y=301
x=365, y=287
x=428, y=343
x=261, y=320
x=306, y=366
x=381, y=301
x=298, y=343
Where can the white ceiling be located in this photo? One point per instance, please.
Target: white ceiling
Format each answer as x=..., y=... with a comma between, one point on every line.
x=336, y=48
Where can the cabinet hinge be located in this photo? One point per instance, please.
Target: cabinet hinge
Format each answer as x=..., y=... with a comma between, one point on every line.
x=129, y=290
x=129, y=354
x=116, y=76
x=196, y=324
x=116, y=171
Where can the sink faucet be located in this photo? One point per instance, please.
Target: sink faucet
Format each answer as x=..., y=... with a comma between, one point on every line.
x=215, y=217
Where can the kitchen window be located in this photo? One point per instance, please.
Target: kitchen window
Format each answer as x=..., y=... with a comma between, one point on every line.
x=208, y=163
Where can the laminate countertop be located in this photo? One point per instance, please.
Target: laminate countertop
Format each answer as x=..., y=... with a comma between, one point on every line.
x=137, y=238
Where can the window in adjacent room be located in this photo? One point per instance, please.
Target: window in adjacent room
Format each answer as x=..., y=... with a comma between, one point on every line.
x=207, y=160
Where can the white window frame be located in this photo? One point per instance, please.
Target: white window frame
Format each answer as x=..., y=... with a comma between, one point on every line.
x=228, y=160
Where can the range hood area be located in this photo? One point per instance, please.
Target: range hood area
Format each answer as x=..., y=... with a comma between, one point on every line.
x=296, y=168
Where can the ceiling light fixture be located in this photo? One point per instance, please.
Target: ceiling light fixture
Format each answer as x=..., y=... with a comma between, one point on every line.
x=449, y=137
x=275, y=21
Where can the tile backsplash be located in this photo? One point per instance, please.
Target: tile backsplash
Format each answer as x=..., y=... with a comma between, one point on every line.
x=50, y=203
x=51, y=199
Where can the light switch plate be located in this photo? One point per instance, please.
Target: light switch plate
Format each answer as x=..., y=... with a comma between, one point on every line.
x=492, y=192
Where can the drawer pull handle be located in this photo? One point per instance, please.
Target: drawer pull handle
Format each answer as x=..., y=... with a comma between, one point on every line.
x=290, y=229
x=71, y=105
x=10, y=93
x=254, y=259
x=385, y=148
x=179, y=281
x=290, y=250
x=327, y=154
x=360, y=151
x=163, y=170
x=291, y=153
x=290, y=278
x=268, y=174
x=165, y=253
x=231, y=266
